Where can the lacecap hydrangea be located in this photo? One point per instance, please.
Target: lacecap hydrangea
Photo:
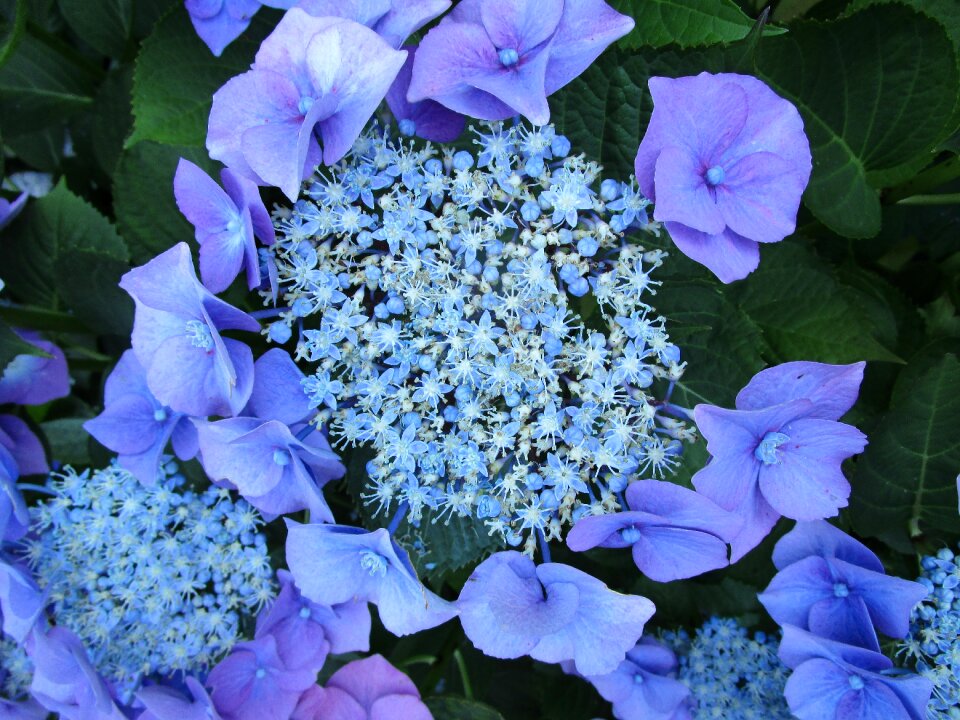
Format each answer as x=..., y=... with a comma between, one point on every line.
x=482, y=321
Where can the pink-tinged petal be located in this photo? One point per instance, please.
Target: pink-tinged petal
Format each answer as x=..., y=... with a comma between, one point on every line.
x=586, y=29
x=814, y=690
x=399, y=706
x=24, y=447
x=681, y=507
x=728, y=256
x=760, y=196
x=521, y=25
x=371, y=678
x=822, y=539
x=806, y=482
x=665, y=554
x=335, y=704
x=832, y=389
x=284, y=51
x=683, y=195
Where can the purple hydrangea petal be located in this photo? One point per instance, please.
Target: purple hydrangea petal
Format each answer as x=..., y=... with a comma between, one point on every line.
x=820, y=538
x=21, y=601
x=330, y=703
x=832, y=389
x=844, y=619
x=399, y=706
x=758, y=520
x=799, y=646
x=204, y=9
x=252, y=683
x=431, y=120
x=393, y=20
x=665, y=554
x=592, y=531
x=371, y=679
x=127, y=426
x=10, y=209
x=244, y=101
x=334, y=564
x=163, y=703
x=682, y=507
x=277, y=392
x=807, y=483
x=278, y=151
x=815, y=688
x=220, y=30
x=520, y=24
x=245, y=193
x=727, y=255
x=14, y=515
x=184, y=437
x=874, y=702
x=889, y=599
x=684, y=195
x=24, y=447
x=760, y=197
x=35, y=380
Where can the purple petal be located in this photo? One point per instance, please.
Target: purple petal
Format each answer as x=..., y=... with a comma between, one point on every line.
x=399, y=706
x=727, y=255
x=219, y=31
x=758, y=520
x=34, y=380
x=681, y=507
x=223, y=255
x=9, y=210
x=127, y=426
x=185, y=442
x=520, y=86
x=665, y=554
x=521, y=25
x=807, y=483
x=815, y=688
x=204, y=9
x=874, y=702
x=760, y=196
x=889, y=599
x=277, y=152
x=683, y=195
x=799, y=646
x=432, y=121
x=822, y=539
x=229, y=453
x=202, y=201
x=24, y=447
x=21, y=602
x=845, y=620
x=407, y=17
x=592, y=531
x=370, y=679
x=245, y=193
x=832, y=389
x=277, y=392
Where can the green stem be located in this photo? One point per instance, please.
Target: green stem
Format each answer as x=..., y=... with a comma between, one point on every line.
x=464, y=677
x=942, y=199
x=929, y=179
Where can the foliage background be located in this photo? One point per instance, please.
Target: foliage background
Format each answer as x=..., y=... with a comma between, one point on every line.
x=107, y=94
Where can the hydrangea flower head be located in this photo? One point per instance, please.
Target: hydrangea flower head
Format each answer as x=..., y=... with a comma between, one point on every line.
x=367, y=689
x=931, y=646
x=34, y=379
x=726, y=160
x=644, y=685
x=845, y=682
x=552, y=612
x=837, y=599
x=253, y=683
x=220, y=22
x=136, y=425
x=275, y=471
x=674, y=532
x=779, y=452
x=226, y=221
x=493, y=59
x=334, y=564
x=176, y=338
x=439, y=304
x=729, y=673
x=150, y=579
x=16, y=674
x=313, y=78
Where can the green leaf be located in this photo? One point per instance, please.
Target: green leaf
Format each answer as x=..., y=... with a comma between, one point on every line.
x=905, y=483
x=42, y=83
x=41, y=150
x=69, y=442
x=176, y=76
x=449, y=707
x=687, y=23
x=13, y=33
x=104, y=25
x=863, y=85
x=112, y=118
x=65, y=248
x=143, y=201
x=450, y=545
x=804, y=312
x=12, y=345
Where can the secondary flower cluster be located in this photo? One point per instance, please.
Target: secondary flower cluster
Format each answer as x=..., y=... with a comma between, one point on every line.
x=931, y=646
x=152, y=580
x=830, y=596
x=482, y=323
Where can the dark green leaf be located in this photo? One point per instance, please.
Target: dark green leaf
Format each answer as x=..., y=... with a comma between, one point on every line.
x=64, y=248
x=863, y=85
x=12, y=345
x=41, y=150
x=804, y=312
x=451, y=545
x=13, y=31
x=905, y=483
x=69, y=442
x=176, y=76
x=112, y=117
x=449, y=707
x=41, y=84
x=143, y=201
x=104, y=25
x=687, y=23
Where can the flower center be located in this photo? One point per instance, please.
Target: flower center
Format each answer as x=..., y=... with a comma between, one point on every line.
x=373, y=563
x=508, y=57
x=305, y=612
x=766, y=451
x=407, y=127
x=306, y=102
x=160, y=415
x=637, y=679
x=715, y=175
x=630, y=534
x=199, y=334
x=856, y=682
x=261, y=673
x=840, y=590
x=281, y=457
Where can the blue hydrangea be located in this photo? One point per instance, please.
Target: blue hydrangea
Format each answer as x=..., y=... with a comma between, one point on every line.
x=730, y=674
x=483, y=324
x=152, y=580
x=15, y=670
x=932, y=647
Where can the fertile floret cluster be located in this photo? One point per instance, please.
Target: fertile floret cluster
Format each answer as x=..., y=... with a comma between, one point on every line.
x=152, y=580
x=481, y=322
x=934, y=628
x=15, y=670
x=730, y=674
